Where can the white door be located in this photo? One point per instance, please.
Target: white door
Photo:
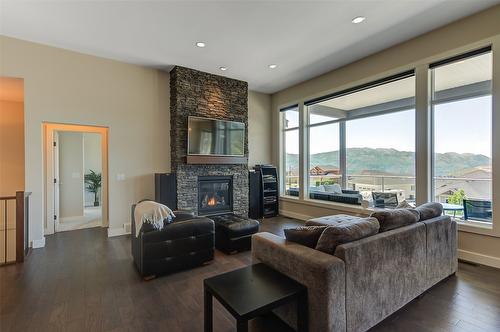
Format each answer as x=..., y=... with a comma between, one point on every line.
x=55, y=155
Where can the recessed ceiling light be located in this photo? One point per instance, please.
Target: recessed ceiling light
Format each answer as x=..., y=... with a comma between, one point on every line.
x=200, y=44
x=358, y=19
x=272, y=66
x=223, y=68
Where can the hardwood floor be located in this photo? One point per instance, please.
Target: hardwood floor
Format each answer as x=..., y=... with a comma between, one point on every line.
x=83, y=281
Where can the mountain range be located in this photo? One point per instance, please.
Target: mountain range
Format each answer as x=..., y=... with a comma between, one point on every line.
x=390, y=161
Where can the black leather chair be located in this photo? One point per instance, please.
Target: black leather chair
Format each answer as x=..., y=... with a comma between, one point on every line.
x=186, y=242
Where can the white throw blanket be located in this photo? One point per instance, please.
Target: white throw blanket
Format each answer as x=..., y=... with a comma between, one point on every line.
x=153, y=212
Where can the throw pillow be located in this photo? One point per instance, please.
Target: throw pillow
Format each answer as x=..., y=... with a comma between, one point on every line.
x=305, y=235
x=347, y=231
x=391, y=219
x=429, y=210
x=404, y=205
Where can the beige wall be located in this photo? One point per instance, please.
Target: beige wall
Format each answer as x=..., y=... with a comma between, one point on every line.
x=11, y=147
x=70, y=174
x=11, y=170
x=133, y=101
x=67, y=87
x=446, y=41
x=259, y=128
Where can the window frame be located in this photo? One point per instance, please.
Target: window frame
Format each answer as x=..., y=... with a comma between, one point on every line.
x=343, y=123
x=422, y=131
x=475, y=226
x=282, y=149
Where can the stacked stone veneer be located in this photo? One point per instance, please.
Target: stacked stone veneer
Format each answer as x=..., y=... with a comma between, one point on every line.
x=195, y=93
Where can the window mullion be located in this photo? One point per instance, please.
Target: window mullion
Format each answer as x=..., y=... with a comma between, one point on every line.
x=343, y=153
x=423, y=156
x=303, y=152
x=495, y=132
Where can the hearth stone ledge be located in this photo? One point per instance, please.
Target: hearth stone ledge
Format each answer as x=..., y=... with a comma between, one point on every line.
x=187, y=185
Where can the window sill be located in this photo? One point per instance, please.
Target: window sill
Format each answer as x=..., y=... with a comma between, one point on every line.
x=357, y=209
x=477, y=227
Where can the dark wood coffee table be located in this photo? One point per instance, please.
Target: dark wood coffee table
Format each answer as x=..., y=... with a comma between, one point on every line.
x=253, y=291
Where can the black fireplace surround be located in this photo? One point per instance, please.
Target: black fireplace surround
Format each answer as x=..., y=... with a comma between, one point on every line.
x=215, y=195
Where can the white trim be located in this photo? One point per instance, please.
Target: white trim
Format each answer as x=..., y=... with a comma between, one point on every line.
x=49, y=128
x=294, y=215
x=39, y=243
x=475, y=257
x=117, y=231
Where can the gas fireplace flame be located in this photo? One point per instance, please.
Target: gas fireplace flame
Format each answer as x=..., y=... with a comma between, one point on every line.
x=211, y=201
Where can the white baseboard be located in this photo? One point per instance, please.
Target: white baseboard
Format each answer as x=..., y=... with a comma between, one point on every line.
x=39, y=243
x=117, y=231
x=474, y=257
x=294, y=215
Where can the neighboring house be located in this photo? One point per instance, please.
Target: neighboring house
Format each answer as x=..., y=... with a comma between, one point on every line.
x=324, y=170
x=476, y=182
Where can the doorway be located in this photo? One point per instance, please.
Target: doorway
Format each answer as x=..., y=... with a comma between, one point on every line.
x=76, y=177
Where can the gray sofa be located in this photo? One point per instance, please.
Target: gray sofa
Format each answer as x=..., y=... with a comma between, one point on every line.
x=366, y=280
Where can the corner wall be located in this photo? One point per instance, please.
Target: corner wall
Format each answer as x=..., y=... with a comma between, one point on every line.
x=259, y=128
x=132, y=101
x=11, y=147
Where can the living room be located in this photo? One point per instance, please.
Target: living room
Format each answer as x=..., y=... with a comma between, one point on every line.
x=393, y=111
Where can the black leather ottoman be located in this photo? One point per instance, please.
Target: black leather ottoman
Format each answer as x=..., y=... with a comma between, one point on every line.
x=234, y=233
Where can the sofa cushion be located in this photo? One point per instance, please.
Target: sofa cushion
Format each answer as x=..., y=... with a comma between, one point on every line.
x=391, y=219
x=346, y=231
x=331, y=220
x=429, y=210
x=305, y=235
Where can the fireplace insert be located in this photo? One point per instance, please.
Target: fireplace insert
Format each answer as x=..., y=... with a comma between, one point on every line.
x=215, y=195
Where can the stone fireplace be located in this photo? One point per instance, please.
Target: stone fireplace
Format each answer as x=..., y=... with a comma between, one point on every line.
x=195, y=93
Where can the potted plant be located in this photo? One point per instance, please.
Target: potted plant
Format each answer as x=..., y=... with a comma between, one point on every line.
x=93, y=184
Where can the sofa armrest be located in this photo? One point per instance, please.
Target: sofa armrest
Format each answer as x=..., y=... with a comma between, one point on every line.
x=180, y=229
x=322, y=274
x=384, y=272
x=442, y=255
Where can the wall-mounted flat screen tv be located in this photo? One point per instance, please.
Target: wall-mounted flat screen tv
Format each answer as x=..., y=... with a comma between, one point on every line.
x=215, y=137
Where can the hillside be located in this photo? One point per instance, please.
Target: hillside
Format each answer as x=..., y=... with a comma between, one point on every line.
x=391, y=161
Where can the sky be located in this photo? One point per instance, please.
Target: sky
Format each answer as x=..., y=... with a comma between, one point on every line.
x=461, y=126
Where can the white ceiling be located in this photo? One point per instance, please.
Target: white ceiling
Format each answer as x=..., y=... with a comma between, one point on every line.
x=305, y=38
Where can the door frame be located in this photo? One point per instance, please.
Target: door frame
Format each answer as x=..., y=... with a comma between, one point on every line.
x=49, y=132
x=56, y=183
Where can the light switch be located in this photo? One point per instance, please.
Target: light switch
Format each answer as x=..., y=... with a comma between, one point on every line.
x=120, y=177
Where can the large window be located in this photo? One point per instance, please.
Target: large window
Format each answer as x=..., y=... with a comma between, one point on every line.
x=462, y=124
x=290, y=146
x=362, y=143
x=324, y=149
x=359, y=145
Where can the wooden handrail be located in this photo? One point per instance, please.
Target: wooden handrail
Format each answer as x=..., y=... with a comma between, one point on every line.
x=6, y=198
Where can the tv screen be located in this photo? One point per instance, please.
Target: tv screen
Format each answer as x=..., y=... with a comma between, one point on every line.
x=215, y=137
